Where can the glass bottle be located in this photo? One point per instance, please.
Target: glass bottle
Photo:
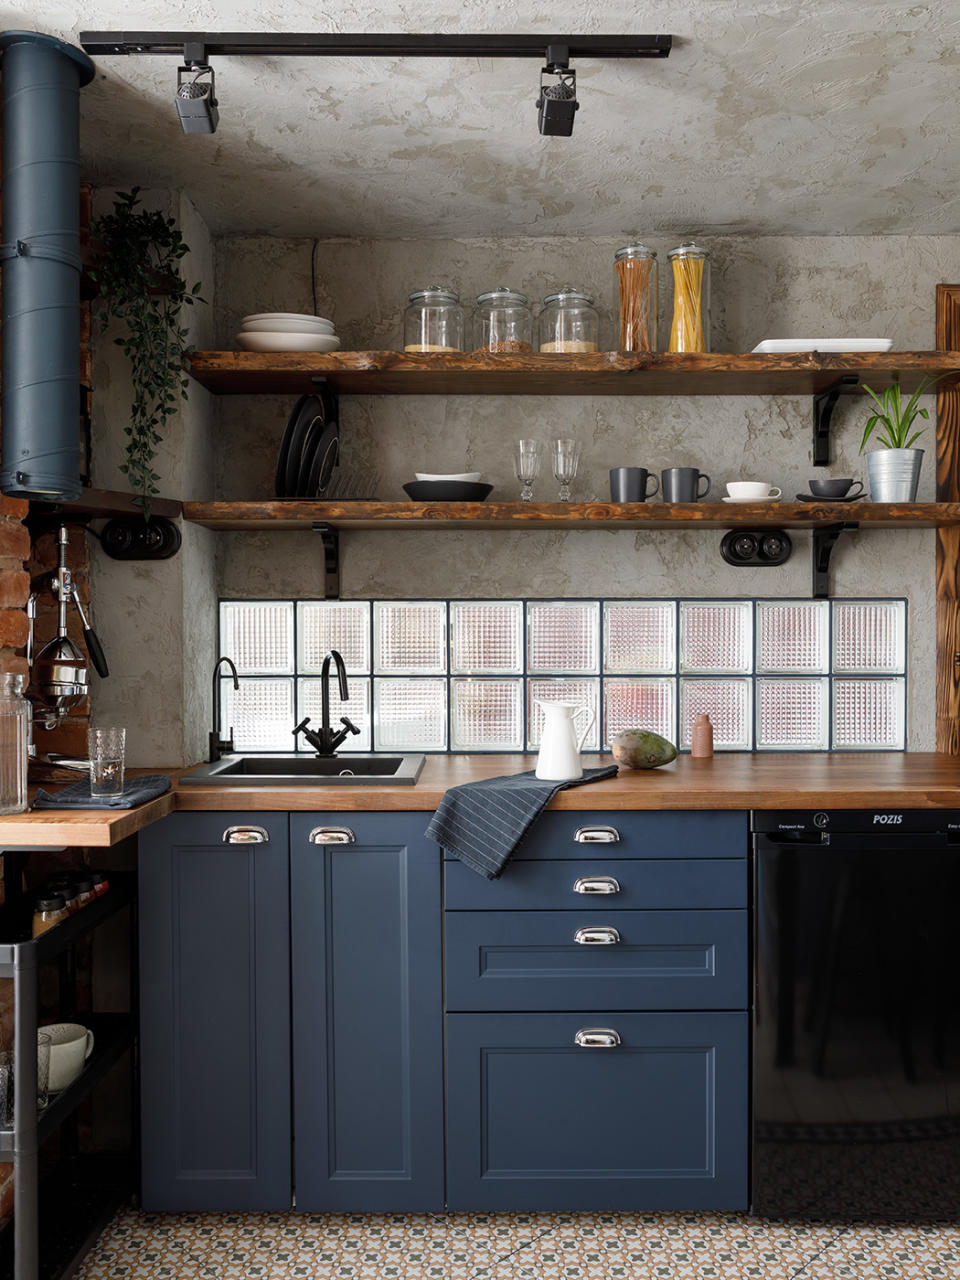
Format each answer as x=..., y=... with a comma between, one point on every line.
x=569, y=322
x=48, y=910
x=14, y=735
x=433, y=322
x=504, y=322
x=85, y=892
x=636, y=268
x=690, y=330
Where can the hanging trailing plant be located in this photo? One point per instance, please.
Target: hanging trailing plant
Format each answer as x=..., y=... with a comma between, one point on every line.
x=137, y=273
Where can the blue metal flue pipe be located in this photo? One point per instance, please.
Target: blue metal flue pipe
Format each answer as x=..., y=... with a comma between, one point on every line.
x=40, y=256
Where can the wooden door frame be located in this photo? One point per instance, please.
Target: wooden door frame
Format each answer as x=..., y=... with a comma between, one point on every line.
x=948, y=540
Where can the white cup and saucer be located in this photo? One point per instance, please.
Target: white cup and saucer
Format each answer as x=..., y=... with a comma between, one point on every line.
x=752, y=491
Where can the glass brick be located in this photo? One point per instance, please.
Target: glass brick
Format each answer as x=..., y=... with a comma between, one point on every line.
x=868, y=715
x=793, y=635
x=410, y=715
x=486, y=715
x=793, y=715
x=258, y=635
x=563, y=636
x=716, y=635
x=869, y=636
x=356, y=708
x=260, y=713
x=582, y=692
x=640, y=635
x=639, y=704
x=343, y=625
x=486, y=637
x=727, y=702
x=409, y=637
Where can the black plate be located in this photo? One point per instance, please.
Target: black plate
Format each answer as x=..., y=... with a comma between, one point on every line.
x=812, y=497
x=304, y=411
x=446, y=491
x=318, y=468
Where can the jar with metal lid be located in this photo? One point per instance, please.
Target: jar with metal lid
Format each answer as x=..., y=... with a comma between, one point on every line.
x=690, y=330
x=14, y=736
x=569, y=322
x=504, y=322
x=636, y=268
x=433, y=322
x=48, y=910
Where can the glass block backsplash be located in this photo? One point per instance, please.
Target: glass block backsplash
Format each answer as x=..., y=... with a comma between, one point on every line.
x=469, y=675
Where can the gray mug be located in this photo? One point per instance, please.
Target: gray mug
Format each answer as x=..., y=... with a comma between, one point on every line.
x=629, y=484
x=682, y=484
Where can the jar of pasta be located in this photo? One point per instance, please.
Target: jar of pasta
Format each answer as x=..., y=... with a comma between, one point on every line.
x=504, y=322
x=569, y=322
x=636, y=267
x=690, y=330
x=433, y=322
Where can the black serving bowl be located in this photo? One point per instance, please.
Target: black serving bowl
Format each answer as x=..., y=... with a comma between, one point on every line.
x=446, y=491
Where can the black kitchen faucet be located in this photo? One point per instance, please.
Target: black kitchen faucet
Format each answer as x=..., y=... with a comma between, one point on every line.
x=327, y=739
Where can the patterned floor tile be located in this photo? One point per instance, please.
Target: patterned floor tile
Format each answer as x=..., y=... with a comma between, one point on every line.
x=871, y=1252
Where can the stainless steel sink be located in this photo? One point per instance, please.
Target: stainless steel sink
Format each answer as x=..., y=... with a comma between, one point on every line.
x=307, y=771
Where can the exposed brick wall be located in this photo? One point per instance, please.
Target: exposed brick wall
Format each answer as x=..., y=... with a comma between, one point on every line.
x=14, y=584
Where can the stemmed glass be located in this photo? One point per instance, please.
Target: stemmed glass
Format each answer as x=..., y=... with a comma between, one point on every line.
x=566, y=459
x=526, y=463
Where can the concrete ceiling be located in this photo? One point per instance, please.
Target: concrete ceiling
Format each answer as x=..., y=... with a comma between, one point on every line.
x=822, y=117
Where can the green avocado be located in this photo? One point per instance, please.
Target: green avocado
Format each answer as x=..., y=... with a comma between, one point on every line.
x=641, y=749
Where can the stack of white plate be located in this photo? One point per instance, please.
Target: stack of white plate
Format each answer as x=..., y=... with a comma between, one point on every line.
x=287, y=331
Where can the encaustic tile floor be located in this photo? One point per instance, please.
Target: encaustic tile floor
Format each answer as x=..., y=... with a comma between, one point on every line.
x=547, y=1246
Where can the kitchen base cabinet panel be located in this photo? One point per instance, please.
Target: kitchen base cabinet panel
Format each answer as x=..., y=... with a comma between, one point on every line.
x=536, y=1122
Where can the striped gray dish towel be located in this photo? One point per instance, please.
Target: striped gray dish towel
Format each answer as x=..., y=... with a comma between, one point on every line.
x=482, y=823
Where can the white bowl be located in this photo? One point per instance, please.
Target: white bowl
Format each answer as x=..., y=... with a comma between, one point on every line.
x=470, y=477
x=288, y=326
x=321, y=342
x=287, y=315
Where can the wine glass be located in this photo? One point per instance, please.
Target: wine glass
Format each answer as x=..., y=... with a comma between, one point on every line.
x=566, y=459
x=526, y=463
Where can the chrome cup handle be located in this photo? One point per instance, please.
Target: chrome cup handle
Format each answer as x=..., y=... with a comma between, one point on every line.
x=332, y=835
x=596, y=884
x=245, y=835
x=597, y=936
x=596, y=1038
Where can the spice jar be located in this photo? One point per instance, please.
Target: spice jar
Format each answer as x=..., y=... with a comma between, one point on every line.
x=14, y=735
x=64, y=886
x=101, y=882
x=636, y=268
x=690, y=330
x=504, y=322
x=48, y=911
x=569, y=322
x=85, y=892
x=433, y=322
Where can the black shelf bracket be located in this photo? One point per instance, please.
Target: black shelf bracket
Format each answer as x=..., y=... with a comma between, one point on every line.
x=824, y=541
x=331, y=559
x=824, y=404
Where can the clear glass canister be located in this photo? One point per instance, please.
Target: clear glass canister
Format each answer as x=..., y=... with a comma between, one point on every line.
x=14, y=734
x=636, y=267
x=504, y=322
x=569, y=322
x=690, y=330
x=433, y=322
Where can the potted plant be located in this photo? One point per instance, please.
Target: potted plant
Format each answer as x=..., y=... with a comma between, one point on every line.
x=136, y=271
x=894, y=468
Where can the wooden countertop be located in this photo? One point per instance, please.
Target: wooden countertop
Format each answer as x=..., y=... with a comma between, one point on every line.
x=916, y=780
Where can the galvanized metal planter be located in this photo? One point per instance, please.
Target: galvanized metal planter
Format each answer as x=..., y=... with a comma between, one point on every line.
x=894, y=474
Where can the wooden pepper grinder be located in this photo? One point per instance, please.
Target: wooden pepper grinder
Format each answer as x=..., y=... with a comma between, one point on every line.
x=701, y=747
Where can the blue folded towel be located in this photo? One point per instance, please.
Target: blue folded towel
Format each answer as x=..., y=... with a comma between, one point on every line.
x=482, y=823
x=77, y=795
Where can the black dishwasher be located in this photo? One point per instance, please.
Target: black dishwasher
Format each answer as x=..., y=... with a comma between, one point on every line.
x=856, y=1048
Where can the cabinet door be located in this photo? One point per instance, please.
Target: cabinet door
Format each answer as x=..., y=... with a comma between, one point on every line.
x=367, y=1041
x=214, y=1009
x=535, y=1121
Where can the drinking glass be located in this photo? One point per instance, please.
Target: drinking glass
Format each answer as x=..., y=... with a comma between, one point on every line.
x=105, y=748
x=526, y=463
x=44, y=1041
x=566, y=459
x=6, y=1088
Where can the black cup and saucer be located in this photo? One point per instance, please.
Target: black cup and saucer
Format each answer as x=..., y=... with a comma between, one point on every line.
x=832, y=491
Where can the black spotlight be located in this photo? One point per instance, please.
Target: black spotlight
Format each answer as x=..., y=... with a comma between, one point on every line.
x=196, y=102
x=557, y=103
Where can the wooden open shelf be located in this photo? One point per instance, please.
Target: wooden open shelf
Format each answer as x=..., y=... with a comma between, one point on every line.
x=602, y=373
x=104, y=504
x=297, y=514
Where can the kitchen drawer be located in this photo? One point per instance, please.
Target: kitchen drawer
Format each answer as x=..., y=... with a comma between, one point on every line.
x=712, y=834
x=536, y=1122
x=514, y=960
x=542, y=884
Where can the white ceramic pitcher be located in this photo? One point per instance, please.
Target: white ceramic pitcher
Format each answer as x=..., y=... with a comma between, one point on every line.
x=559, y=758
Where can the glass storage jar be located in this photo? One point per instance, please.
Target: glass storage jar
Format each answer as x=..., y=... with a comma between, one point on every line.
x=433, y=322
x=569, y=322
x=636, y=268
x=14, y=735
x=690, y=330
x=504, y=322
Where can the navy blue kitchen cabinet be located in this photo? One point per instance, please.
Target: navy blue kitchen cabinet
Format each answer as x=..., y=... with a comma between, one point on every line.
x=368, y=1012
x=215, y=1012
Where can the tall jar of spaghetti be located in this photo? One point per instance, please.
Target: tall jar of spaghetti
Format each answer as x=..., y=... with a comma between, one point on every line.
x=690, y=330
x=636, y=268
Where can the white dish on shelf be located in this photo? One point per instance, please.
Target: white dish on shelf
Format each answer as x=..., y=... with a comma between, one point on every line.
x=468, y=477
x=304, y=325
x=276, y=342
x=800, y=346
x=287, y=315
x=750, y=501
